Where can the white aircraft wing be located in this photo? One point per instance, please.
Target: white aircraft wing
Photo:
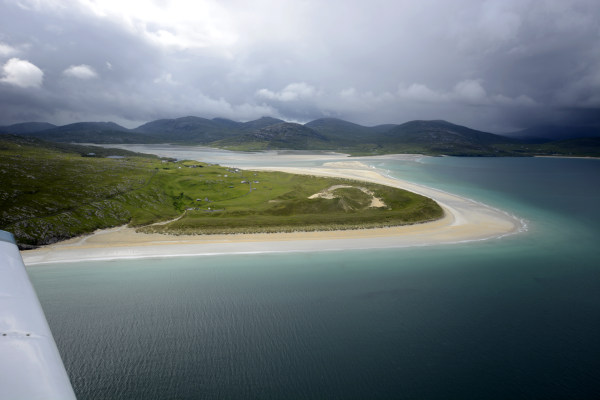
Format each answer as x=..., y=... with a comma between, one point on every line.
x=30, y=365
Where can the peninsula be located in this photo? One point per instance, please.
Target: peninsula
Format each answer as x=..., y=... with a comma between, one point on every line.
x=464, y=220
x=96, y=203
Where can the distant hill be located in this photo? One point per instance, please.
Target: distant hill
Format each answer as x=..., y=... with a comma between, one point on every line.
x=186, y=129
x=202, y=130
x=170, y=125
x=90, y=132
x=436, y=137
x=26, y=127
x=227, y=123
x=10, y=141
x=428, y=137
x=342, y=131
x=90, y=126
x=441, y=137
x=439, y=131
x=284, y=135
x=260, y=123
x=382, y=128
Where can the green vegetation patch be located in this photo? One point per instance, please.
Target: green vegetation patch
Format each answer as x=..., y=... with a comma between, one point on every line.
x=279, y=202
x=50, y=193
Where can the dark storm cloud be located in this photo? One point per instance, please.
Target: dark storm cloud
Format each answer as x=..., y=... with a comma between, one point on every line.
x=495, y=65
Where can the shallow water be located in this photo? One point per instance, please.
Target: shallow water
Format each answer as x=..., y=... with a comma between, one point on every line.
x=516, y=317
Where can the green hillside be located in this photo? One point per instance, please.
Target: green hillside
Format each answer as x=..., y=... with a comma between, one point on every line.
x=187, y=129
x=26, y=127
x=53, y=191
x=343, y=132
x=90, y=132
x=440, y=137
x=284, y=135
x=260, y=123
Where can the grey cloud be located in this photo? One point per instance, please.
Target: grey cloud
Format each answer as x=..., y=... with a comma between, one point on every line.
x=6, y=50
x=494, y=65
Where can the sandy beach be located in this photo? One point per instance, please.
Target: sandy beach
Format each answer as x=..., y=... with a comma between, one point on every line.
x=464, y=220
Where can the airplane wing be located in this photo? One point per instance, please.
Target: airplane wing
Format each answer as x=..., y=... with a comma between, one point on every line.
x=30, y=365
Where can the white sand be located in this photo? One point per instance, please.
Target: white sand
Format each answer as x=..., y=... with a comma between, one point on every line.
x=465, y=220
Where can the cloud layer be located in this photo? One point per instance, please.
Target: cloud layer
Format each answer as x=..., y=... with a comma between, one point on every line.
x=495, y=65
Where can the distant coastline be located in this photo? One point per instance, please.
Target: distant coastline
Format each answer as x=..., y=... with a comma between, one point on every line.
x=576, y=157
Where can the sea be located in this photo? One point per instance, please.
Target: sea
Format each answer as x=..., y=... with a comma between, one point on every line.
x=516, y=317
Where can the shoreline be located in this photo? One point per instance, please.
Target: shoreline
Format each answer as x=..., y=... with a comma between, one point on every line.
x=573, y=157
x=464, y=220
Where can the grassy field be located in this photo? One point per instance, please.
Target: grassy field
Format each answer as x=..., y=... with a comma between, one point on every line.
x=50, y=193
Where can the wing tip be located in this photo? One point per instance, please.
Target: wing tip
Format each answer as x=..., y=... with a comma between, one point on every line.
x=7, y=237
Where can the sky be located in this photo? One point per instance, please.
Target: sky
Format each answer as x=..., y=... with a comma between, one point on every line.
x=494, y=65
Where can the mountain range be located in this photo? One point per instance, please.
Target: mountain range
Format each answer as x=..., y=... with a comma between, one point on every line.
x=435, y=137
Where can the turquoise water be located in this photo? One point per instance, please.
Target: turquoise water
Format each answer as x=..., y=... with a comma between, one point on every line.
x=510, y=318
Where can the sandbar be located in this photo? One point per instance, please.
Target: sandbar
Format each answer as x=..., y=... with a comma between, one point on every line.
x=464, y=220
